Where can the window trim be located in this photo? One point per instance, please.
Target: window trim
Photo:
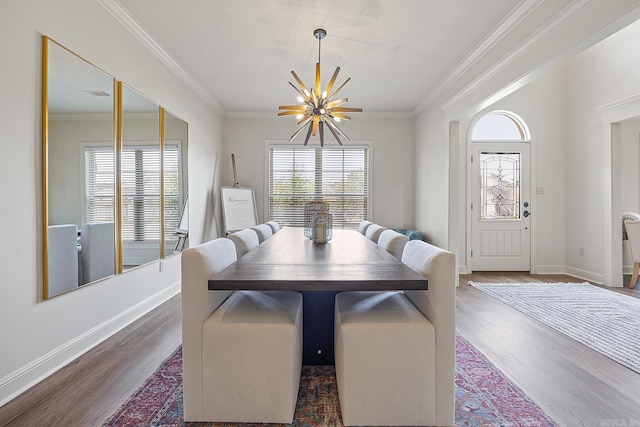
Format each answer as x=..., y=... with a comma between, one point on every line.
x=522, y=125
x=268, y=144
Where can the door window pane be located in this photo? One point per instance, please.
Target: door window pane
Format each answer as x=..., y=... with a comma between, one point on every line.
x=499, y=186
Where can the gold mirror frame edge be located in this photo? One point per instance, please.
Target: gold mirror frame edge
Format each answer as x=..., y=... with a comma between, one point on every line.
x=118, y=143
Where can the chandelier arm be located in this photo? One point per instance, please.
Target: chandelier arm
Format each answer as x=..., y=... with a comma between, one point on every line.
x=340, y=116
x=333, y=80
x=302, y=86
x=306, y=139
x=316, y=121
x=336, y=128
x=337, y=102
x=299, y=129
x=298, y=90
x=335, y=135
x=318, y=85
x=293, y=107
x=314, y=98
x=289, y=113
x=338, y=90
x=305, y=118
x=347, y=110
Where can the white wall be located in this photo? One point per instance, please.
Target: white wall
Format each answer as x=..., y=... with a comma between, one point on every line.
x=601, y=75
x=39, y=336
x=432, y=176
x=392, y=155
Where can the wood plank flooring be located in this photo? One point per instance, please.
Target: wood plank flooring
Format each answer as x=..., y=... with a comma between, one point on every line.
x=573, y=384
x=87, y=391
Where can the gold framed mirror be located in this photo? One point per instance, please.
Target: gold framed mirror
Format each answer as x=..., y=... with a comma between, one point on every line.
x=114, y=175
x=174, y=139
x=78, y=170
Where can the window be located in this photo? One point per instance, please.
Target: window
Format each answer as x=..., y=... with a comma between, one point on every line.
x=500, y=186
x=500, y=126
x=140, y=190
x=338, y=176
x=99, y=185
x=500, y=182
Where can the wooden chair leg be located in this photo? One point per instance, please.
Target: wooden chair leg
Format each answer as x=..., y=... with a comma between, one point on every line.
x=634, y=277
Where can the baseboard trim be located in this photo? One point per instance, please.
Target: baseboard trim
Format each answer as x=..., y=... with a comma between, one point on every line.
x=597, y=278
x=551, y=269
x=29, y=375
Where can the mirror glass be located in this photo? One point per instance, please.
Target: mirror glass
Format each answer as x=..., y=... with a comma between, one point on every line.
x=176, y=212
x=140, y=179
x=78, y=171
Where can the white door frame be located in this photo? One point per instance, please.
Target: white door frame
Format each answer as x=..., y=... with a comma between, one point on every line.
x=612, y=115
x=466, y=188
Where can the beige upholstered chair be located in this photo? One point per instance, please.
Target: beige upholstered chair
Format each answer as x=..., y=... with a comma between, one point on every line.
x=264, y=231
x=244, y=240
x=62, y=251
x=374, y=231
x=632, y=229
x=97, y=241
x=395, y=352
x=393, y=242
x=242, y=351
x=364, y=224
x=275, y=227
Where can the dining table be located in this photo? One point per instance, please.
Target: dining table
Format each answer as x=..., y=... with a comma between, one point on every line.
x=290, y=261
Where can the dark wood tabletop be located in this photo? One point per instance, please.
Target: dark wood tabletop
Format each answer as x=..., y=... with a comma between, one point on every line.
x=290, y=261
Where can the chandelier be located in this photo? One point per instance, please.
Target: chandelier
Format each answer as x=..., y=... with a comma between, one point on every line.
x=319, y=108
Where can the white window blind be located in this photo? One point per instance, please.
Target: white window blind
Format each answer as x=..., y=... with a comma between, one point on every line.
x=338, y=176
x=99, y=184
x=140, y=190
x=172, y=201
x=140, y=193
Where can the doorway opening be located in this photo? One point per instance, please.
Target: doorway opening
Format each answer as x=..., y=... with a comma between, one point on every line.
x=500, y=197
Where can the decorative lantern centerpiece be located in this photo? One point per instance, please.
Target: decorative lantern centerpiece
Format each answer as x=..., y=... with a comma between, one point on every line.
x=318, y=222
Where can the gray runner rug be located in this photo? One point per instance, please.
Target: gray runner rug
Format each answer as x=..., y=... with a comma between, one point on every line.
x=604, y=320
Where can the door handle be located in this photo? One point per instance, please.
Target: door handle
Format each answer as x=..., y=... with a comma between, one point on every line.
x=526, y=213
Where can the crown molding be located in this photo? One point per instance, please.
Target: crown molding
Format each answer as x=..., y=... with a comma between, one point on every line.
x=363, y=115
x=622, y=109
x=560, y=19
x=122, y=15
x=500, y=32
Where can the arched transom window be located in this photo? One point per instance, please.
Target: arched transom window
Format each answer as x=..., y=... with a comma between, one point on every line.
x=500, y=126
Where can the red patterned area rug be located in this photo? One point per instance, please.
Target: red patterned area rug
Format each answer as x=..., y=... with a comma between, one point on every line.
x=484, y=397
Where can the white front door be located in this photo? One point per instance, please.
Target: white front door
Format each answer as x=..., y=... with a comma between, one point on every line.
x=500, y=207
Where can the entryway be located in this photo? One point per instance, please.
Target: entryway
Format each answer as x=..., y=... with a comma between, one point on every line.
x=500, y=200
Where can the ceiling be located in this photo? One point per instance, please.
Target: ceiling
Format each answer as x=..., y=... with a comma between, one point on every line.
x=401, y=55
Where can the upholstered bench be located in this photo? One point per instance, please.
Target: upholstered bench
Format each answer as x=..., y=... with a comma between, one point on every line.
x=395, y=352
x=242, y=351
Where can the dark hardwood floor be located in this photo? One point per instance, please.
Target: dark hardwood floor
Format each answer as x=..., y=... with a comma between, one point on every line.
x=87, y=391
x=572, y=383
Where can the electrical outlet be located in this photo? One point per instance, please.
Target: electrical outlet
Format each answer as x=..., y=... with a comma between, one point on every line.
x=539, y=190
x=581, y=251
